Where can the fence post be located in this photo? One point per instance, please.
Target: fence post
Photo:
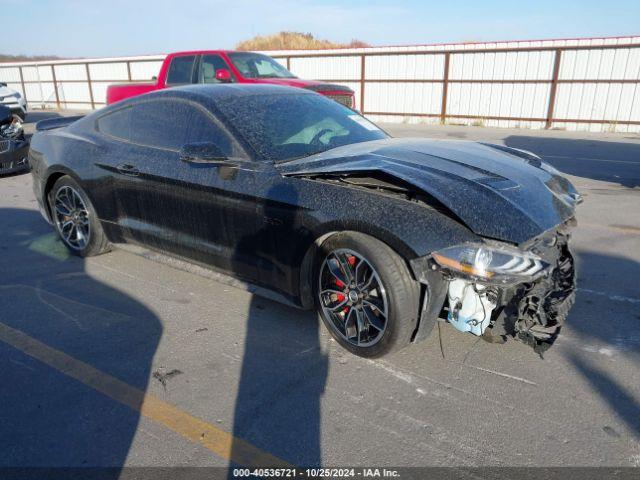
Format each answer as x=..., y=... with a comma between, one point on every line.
x=362, y=79
x=129, y=70
x=554, y=89
x=24, y=90
x=445, y=88
x=289, y=63
x=93, y=105
x=55, y=85
x=42, y=101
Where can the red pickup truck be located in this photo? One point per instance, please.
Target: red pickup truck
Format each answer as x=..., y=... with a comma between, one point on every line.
x=223, y=66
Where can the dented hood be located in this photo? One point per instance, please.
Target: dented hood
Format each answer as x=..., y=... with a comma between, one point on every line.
x=498, y=192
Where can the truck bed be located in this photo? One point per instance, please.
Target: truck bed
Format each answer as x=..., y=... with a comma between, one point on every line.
x=121, y=91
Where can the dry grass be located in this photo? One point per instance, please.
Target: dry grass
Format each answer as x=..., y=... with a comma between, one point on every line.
x=26, y=58
x=293, y=41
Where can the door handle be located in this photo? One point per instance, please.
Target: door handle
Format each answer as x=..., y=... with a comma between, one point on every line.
x=127, y=169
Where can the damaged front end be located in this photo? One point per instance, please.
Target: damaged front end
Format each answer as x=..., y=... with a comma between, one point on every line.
x=14, y=147
x=498, y=291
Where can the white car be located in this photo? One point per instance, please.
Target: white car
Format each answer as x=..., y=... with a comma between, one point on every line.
x=14, y=100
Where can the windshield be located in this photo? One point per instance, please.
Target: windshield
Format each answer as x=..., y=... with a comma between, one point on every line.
x=284, y=127
x=255, y=65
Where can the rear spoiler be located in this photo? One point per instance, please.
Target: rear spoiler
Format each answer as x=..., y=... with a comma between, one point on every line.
x=59, y=122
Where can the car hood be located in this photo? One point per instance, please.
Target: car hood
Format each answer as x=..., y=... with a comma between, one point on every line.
x=498, y=192
x=5, y=92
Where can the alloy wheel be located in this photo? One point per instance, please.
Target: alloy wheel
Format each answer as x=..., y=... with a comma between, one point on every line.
x=72, y=218
x=353, y=297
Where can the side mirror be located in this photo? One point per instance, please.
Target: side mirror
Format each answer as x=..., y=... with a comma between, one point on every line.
x=223, y=75
x=2, y=84
x=202, y=152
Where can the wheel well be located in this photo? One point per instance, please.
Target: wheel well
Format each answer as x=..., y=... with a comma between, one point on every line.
x=53, y=178
x=306, y=268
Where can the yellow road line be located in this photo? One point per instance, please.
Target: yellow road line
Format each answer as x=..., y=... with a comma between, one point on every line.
x=219, y=441
x=627, y=230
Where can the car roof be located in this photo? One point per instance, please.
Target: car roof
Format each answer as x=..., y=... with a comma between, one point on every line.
x=206, y=95
x=225, y=91
x=204, y=52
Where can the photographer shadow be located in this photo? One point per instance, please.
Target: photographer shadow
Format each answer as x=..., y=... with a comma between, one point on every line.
x=49, y=302
x=284, y=370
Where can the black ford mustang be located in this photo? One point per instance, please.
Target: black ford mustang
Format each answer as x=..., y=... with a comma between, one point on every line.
x=300, y=195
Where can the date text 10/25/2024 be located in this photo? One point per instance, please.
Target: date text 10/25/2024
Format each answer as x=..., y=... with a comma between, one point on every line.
x=316, y=473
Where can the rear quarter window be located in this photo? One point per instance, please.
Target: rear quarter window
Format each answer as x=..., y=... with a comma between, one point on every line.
x=116, y=124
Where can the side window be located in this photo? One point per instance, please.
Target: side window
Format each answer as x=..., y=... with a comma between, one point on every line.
x=169, y=124
x=117, y=124
x=181, y=70
x=159, y=124
x=208, y=67
x=204, y=129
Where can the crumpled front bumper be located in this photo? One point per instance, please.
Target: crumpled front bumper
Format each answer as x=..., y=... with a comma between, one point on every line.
x=532, y=311
x=13, y=156
x=535, y=313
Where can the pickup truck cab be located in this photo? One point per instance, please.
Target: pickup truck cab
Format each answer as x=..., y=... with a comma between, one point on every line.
x=225, y=66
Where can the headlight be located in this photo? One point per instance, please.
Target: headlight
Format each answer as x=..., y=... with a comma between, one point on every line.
x=490, y=264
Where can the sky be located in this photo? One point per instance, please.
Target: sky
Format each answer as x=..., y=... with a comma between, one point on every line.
x=93, y=28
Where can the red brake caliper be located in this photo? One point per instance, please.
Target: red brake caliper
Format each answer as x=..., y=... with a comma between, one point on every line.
x=340, y=298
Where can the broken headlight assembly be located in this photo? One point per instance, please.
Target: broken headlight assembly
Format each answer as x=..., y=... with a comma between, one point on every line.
x=477, y=275
x=490, y=264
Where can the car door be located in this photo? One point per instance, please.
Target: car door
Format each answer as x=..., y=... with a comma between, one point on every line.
x=172, y=205
x=239, y=217
x=208, y=66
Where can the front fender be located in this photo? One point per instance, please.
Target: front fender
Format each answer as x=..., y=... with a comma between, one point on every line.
x=413, y=229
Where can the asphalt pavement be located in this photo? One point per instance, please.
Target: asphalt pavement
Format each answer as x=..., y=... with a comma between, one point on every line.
x=122, y=360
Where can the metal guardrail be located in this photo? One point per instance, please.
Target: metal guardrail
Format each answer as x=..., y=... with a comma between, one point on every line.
x=88, y=80
x=446, y=81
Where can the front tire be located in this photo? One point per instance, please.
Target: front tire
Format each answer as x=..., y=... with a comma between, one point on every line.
x=365, y=295
x=75, y=219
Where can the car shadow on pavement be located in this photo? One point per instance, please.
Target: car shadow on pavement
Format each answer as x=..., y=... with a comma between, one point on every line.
x=48, y=419
x=609, y=161
x=617, y=396
x=612, y=334
x=13, y=174
x=278, y=404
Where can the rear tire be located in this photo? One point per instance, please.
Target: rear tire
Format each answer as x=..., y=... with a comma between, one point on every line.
x=75, y=219
x=365, y=295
